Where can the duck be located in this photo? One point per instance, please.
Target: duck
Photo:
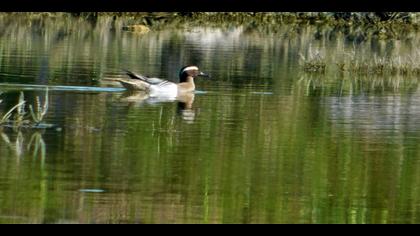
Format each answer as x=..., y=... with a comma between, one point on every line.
x=156, y=87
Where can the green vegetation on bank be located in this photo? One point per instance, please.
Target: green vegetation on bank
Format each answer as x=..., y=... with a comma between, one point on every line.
x=352, y=49
x=333, y=18
x=382, y=25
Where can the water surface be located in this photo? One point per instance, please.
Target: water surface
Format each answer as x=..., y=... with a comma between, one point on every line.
x=259, y=143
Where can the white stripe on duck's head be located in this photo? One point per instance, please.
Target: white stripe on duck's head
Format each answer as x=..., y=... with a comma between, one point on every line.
x=188, y=71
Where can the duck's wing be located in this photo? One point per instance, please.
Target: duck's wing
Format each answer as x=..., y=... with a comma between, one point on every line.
x=157, y=81
x=154, y=81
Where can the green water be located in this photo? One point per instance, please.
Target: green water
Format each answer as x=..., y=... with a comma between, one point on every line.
x=259, y=143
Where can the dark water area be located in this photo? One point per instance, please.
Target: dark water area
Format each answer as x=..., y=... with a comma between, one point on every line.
x=260, y=142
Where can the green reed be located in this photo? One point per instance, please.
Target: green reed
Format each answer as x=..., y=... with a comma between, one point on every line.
x=18, y=117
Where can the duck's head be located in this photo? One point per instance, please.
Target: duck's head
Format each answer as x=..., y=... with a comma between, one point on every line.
x=190, y=71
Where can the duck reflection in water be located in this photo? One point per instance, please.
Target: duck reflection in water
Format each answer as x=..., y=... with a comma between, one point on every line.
x=184, y=107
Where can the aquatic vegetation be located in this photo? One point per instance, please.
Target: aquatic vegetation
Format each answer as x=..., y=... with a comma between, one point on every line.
x=40, y=111
x=18, y=107
x=17, y=117
x=314, y=62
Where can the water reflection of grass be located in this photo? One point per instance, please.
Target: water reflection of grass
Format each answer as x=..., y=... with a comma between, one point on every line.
x=341, y=84
x=35, y=146
x=358, y=60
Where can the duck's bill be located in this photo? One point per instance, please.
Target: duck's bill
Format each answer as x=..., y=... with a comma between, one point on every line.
x=204, y=75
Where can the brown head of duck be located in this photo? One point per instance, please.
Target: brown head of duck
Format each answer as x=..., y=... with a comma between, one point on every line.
x=187, y=74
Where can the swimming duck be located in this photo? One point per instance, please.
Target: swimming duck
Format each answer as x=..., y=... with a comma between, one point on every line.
x=161, y=87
